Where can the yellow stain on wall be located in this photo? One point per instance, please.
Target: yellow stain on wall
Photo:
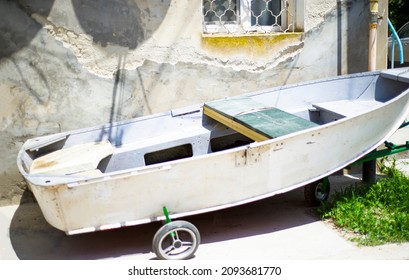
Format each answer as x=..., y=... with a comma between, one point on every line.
x=249, y=44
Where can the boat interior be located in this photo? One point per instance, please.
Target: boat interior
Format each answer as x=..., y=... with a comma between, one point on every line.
x=207, y=128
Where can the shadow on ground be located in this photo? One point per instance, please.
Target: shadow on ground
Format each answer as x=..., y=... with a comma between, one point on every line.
x=33, y=238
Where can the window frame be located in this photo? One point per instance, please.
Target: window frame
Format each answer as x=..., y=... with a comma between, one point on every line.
x=243, y=24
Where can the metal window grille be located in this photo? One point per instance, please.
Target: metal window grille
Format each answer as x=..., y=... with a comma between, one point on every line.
x=248, y=16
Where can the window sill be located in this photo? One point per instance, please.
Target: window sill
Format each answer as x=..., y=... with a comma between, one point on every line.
x=276, y=35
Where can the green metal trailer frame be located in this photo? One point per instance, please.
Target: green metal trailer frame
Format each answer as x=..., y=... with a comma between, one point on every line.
x=317, y=192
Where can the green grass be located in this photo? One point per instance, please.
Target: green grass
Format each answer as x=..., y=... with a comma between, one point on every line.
x=377, y=213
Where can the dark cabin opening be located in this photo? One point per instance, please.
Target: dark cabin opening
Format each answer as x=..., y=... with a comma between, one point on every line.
x=174, y=153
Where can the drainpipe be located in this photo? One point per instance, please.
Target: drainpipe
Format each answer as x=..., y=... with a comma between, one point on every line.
x=373, y=26
x=369, y=167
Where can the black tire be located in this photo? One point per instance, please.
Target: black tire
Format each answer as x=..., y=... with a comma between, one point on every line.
x=176, y=240
x=314, y=194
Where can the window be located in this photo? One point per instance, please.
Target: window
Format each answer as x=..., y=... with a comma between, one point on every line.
x=249, y=16
x=218, y=11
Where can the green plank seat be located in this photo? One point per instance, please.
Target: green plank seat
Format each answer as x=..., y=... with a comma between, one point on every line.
x=253, y=119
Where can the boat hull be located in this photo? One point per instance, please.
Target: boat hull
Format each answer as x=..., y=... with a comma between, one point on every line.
x=216, y=180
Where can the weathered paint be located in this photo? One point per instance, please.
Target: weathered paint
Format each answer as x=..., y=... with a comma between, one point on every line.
x=250, y=45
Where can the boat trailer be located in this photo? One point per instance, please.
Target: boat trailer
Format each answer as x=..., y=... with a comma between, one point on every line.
x=318, y=192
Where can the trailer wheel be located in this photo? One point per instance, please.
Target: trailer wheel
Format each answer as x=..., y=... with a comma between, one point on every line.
x=317, y=192
x=176, y=240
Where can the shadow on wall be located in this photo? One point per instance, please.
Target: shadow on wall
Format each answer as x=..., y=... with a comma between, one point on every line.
x=115, y=22
x=111, y=22
x=18, y=28
x=123, y=23
x=351, y=43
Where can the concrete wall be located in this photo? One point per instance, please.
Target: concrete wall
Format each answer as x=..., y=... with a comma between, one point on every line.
x=72, y=64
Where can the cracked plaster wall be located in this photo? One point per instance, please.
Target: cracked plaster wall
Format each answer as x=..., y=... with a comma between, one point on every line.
x=59, y=61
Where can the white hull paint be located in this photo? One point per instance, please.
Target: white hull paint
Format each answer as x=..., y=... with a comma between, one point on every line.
x=216, y=180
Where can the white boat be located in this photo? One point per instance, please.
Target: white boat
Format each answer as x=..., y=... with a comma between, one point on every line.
x=210, y=156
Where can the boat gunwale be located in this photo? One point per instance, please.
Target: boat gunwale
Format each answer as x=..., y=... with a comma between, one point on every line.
x=75, y=181
x=71, y=180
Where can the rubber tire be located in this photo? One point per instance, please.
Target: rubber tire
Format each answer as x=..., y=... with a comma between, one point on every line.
x=312, y=194
x=178, y=226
